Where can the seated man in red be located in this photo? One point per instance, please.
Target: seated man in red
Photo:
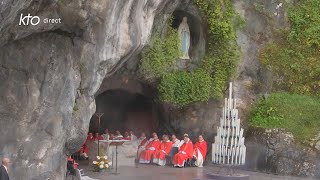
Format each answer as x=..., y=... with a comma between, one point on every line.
x=151, y=148
x=84, y=150
x=160, y=155
x=90, y=137
x=98, y=137
x=185, y=152
x=126, y=136
x=199, y=151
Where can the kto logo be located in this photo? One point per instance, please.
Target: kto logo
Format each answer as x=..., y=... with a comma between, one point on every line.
x=25, y=20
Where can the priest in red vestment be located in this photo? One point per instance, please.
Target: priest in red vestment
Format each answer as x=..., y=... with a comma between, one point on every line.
x=84, y=150
x=90, y=137
x=160, y=155
x=98, y=137
x=185, y=152
x=200, y=151
x=126, y=136
x=151, y=148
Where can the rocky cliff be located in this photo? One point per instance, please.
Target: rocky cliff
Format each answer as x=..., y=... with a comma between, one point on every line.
x=50, y=73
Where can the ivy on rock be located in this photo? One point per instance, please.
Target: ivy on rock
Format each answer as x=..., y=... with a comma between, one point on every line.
x=181, y=87
x=294, y=55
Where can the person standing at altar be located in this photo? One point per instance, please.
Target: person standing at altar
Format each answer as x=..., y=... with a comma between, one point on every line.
x=199, y=152
x=185, y=152
x=126, y=136
x=133, y=137
x=142, y=143
x=106, y=135
x=111, y=136
x=160, y=155
x=118, y=135
x=98, y=137
x=151, y=148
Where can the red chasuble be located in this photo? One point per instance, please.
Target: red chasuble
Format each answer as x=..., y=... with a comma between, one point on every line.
x=202, y=146
x=99, y=137
x=90, y=138
x=153, y=146
x=85, y=148
x=143, y=142
x=164, y=150
x=127, y=138
x=185, y=152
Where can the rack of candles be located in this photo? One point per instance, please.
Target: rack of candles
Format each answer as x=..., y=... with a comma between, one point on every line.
x=229, y=147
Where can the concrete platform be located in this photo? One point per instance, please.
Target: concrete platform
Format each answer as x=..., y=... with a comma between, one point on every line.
x=153, y=172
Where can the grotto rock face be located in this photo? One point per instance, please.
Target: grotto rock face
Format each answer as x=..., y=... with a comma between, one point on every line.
x=49, y=74
x=274, y=151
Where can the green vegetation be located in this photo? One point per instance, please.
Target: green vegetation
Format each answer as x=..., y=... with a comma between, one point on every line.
x=210, y=78
x=223, y=52
x=183, y=87
x=298, y=114
x=160, y=58
x=295, y=55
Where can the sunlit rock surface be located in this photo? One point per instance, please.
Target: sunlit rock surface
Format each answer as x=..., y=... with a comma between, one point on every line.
x=49, y=74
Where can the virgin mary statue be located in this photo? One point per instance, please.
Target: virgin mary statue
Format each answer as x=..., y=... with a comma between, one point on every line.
x=184, y=36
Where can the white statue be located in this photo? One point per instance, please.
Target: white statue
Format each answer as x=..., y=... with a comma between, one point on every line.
x=184, y=36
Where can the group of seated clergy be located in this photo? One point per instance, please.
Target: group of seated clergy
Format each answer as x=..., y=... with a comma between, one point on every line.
x=175, y=151
x=178, y=151
x=84, y=150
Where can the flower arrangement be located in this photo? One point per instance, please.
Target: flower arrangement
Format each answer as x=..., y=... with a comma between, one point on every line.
x=102, y=163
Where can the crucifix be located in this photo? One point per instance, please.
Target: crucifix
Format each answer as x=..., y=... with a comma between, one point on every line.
x=99, y=115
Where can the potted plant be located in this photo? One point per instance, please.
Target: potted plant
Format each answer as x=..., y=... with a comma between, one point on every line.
x=101, y=164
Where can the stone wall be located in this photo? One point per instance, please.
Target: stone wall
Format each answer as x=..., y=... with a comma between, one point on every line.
x=275, y=151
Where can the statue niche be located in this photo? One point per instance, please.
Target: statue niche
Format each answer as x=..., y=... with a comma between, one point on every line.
x=184, y=37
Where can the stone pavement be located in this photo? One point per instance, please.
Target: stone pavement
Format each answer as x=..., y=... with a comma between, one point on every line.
x=153, y=172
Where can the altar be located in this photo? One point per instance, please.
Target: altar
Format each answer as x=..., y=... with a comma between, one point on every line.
x=127, y=151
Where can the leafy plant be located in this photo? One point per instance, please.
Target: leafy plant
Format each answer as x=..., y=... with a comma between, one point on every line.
x=183, y=88
x=161, y=56
x=297, y=114
x=223, y=53
x=294, y=56
x=210, y=78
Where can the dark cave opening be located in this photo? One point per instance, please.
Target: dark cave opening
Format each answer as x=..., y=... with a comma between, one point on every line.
x=124, y=111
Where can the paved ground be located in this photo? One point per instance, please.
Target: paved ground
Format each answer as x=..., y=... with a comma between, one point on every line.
x=153, y=172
